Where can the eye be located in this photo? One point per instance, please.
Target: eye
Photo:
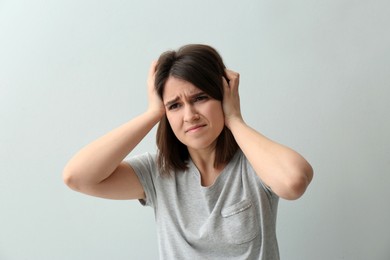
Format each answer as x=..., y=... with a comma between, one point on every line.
x=201, y=98
x=174, y=106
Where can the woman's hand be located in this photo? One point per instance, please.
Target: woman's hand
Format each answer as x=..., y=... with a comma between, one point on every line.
x=155, y=103
x=231, y=98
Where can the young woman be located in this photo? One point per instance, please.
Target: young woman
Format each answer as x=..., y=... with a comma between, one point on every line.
x=215, y=182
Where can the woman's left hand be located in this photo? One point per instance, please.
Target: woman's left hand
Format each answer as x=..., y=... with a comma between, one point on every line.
x=231, y=98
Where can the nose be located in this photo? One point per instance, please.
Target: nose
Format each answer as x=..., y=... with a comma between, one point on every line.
x=190, y=113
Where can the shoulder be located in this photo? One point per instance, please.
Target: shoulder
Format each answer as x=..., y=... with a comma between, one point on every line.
x=241, y=161
x=239, y=158
x=141, y=159
x=145, y=163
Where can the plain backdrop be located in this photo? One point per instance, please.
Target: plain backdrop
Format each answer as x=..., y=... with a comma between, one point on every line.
x=314, y=76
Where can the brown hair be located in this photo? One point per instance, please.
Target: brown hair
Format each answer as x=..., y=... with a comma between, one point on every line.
x=202, y=66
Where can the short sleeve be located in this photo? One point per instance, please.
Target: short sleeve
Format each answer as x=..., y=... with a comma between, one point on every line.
x=144, y=166
x=270, y=193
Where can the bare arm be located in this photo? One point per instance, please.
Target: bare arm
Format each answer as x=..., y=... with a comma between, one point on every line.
x=285, y=171
x=98, y=170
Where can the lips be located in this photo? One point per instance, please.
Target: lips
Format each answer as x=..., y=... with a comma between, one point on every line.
x=195, y=127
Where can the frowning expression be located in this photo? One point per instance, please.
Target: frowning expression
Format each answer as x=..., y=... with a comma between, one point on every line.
x=196, y=118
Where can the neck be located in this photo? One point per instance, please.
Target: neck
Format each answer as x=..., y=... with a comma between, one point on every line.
x=204, y=161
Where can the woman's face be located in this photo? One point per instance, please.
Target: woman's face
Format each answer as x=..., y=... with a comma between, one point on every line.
x=195, y=118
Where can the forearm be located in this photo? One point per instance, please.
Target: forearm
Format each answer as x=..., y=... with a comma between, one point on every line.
x=285, y=171
x=96, y=161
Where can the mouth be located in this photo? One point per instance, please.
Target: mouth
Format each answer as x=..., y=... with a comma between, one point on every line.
x=194, y=128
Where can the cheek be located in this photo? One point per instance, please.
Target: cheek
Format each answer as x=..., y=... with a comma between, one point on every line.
x=216, y=112
x=219, y=118
x=169, y=118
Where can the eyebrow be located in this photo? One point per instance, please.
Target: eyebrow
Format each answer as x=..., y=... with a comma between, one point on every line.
x=173, y=101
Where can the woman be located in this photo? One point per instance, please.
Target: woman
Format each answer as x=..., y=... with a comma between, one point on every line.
x=215, y=182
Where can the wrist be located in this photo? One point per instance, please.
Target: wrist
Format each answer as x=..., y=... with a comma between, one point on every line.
x=155, y=113
x=234, y=122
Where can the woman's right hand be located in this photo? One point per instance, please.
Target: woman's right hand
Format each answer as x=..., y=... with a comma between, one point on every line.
x=156, y=105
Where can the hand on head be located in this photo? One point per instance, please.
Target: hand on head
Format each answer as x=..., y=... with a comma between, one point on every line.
x=156, y=105
x=231, y=98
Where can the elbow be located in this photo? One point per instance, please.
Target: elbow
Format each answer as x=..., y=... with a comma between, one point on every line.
x=295, y=189
x=70, y=179
x=297, y=186
x=78, y=179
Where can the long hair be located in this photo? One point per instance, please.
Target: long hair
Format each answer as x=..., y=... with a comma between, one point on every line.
x=202, y=66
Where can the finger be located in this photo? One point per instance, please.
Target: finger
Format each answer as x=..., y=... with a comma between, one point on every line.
x=152, y=73
x=233, y=77
x=152, y=68
x=225, y=83
x=232, y=74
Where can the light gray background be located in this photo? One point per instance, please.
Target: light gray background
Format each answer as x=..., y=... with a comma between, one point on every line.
x=314, y=76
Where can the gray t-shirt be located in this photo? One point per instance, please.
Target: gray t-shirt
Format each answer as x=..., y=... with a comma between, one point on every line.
x=232, y=219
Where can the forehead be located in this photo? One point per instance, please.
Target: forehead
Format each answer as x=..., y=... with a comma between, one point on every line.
x=175, y=87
